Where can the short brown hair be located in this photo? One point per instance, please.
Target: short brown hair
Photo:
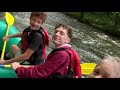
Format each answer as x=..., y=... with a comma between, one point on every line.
x=69, y=30
x=41, y=15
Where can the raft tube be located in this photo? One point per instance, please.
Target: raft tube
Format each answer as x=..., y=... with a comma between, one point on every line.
x=13, y=30
x=7, y=72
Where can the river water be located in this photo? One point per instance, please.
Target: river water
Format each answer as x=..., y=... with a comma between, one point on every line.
x=91, y=44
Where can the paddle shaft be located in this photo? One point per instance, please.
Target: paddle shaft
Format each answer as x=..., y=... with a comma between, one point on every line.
x=9, y=66
x=5, y=42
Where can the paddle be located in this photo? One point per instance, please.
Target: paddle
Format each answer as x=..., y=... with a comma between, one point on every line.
x=87, y=68
x=10, y=21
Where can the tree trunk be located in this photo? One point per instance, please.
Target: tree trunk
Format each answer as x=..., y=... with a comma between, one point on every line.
x=116, y=21
x=82, y=15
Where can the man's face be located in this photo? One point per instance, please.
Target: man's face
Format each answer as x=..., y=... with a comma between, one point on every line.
x=35, y=23
x=103, y=70
x=60, y=37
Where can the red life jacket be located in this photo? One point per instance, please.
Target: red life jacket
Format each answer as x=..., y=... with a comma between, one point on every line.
x=46, y=42
x=25, y=41
x=75, y=63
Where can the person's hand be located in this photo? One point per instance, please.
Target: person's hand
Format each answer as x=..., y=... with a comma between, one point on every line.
x=15, y=65
x=6, y=38
x=2, y=61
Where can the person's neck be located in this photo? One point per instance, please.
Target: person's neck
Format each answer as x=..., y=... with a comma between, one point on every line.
x=34, y=30
x=59, y=46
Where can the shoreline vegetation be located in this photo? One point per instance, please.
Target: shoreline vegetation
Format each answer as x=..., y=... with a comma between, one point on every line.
x=108, y=22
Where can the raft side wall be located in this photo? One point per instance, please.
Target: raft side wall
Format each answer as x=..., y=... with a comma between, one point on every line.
x=12, y=30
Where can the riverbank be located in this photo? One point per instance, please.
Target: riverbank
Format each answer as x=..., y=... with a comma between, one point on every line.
x=103, y=21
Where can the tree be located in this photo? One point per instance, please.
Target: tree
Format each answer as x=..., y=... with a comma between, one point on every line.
x=82, y=15
x=116, y=20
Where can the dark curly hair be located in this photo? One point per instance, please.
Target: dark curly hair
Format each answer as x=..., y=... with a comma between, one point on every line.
x=69, y=30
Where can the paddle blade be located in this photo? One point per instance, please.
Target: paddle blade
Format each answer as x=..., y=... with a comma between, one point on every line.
x=9, y=18
x=87, y=68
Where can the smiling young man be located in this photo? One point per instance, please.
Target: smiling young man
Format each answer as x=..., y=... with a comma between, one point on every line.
x=33, y=42
x=62, y=62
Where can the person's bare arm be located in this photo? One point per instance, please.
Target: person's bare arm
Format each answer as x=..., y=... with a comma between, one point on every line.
x=15, y=65
x=15, y=35
x=20, y=58
x=12, y=36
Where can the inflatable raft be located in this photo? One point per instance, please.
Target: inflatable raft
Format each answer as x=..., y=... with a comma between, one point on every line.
x=7, y=72
x=13, y=30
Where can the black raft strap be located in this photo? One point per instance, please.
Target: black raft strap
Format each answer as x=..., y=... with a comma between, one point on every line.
x=70, y=72
x=65, y=49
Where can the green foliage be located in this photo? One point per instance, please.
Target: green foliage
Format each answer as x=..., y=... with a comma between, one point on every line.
x=74, y=14
x=105, y=21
